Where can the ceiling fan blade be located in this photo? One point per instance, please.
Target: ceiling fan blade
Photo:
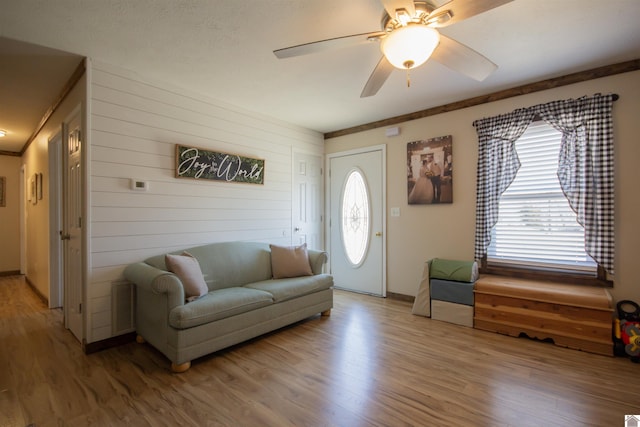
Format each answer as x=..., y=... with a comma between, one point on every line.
x=463, y=59
x=377, y=78
x=328, y=44
x=392, y=5
x=464, y=9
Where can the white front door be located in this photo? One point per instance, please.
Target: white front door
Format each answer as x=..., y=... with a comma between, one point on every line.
x=357, y=220
x=307, y=201
x=72, y=227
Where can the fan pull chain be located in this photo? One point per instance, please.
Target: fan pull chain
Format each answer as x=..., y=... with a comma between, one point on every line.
x=408, y=65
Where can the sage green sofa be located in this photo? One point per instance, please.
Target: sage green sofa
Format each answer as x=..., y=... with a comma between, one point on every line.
x=243, y=300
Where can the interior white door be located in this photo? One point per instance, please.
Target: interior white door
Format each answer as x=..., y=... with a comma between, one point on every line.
x=56, y=279
x=307, y=201
x=357, y=221
x=72, y=230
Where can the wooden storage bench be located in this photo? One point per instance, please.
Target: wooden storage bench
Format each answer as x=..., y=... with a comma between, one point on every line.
x=573, y=316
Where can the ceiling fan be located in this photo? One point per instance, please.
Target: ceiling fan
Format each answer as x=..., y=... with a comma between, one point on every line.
x=409, y=37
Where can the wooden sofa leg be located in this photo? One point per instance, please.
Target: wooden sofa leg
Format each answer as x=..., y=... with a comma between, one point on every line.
x=181, y=367
x=140, y=339
x=326, y=313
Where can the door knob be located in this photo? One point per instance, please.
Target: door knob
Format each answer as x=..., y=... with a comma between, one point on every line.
x=65, y=236
x=379, y=233
x=296, y=229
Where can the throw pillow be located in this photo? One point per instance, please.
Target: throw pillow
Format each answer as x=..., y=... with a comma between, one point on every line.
x=187, y=268
x=290, y=261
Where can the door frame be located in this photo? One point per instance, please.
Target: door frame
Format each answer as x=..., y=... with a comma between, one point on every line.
x=23, y=220
x=294, y=208
x=383, y=151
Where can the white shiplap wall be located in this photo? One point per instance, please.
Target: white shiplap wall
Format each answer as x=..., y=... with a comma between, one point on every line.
x=134, y=125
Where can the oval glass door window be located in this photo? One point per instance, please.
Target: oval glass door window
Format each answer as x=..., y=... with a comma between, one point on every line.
x=355, y=217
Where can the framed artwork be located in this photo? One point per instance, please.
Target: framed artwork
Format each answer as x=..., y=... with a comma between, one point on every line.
x=3, y=190
x=39, y=186
x=32, y=189
x=430, y=171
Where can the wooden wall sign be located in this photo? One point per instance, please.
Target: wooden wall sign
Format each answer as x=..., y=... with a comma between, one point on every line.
x=198, y=163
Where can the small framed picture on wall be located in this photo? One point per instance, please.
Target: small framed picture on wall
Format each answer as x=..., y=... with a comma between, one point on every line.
x=3, y=191
x=33, y=192
x=39, y=185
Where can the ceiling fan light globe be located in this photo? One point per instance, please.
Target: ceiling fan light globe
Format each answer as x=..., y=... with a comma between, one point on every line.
x=412, y=44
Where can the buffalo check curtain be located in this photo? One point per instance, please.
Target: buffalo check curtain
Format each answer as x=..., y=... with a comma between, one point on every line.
x=585, y=167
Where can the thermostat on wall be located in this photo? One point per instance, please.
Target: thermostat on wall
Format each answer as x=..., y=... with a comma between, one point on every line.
x=139, y=185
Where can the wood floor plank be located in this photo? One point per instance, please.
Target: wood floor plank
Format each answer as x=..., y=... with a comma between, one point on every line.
x=371, y=363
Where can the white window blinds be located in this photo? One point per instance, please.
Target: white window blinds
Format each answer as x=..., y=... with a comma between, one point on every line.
x=536, y=227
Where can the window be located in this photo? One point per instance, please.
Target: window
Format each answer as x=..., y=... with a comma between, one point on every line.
x=355, y=217
x=586, y=174
x=536, y=227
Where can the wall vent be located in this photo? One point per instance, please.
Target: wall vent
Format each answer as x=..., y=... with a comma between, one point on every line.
x=122, y=307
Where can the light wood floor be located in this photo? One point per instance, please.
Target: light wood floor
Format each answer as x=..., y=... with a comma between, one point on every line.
x=371, y=363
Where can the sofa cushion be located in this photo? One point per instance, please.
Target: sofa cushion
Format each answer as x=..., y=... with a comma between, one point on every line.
x=290, y=261
x=187, y=268
x=218, y=304
x=293, y=287
x=228, y=264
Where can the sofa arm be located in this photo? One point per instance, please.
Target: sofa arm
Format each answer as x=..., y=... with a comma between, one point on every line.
x=317, y=259
x=156, y=281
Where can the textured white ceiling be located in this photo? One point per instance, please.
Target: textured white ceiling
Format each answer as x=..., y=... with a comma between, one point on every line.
x=223, y=49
